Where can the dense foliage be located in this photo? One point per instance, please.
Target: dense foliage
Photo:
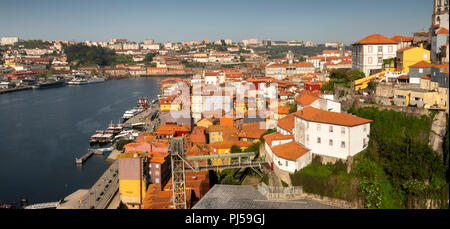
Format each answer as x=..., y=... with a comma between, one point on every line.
x=298, y=51
x=342, y=78
x=81, y=54
x=32, y=44
x=397, y=170
x=399, y=163
x=120, y=144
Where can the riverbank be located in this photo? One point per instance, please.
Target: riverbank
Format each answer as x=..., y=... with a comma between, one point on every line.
x=3, y=91
x=43, y=131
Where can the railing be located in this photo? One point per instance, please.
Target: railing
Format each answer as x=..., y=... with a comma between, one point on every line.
x=284, y=191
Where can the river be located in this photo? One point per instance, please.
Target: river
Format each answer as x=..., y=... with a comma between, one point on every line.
x=43, y=131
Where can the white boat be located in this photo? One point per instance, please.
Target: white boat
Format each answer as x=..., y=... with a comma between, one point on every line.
x=131, y=113
x=78, y=81
x=96, y=80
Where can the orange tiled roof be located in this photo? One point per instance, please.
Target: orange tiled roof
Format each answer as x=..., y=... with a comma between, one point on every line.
x=440, y=65
x=405, y=48
x=251, y=130
x=228, y=144
x=306, y=98
x=290, y=151
x=317, y=115
x=421, y=64
x=283, y=110
x=215, y=128
x=427, y=77
x=443, y=31
x=375, y=39
x=287, y=122
x=399, y=38
x=276, y=136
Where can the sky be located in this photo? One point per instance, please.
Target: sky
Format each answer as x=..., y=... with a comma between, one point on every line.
x=319, y=21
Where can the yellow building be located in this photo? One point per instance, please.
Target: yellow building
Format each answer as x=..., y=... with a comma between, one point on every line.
x=133, y=179
x=411, y=55
x=216, y=132
x=224, y=148
x=169, y=104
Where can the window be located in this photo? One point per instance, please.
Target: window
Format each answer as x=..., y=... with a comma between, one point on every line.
x=342, y=130
x=287, y=163
x=331, y=142
x=369, y=60
x=157, y=180
x=157, y=166
x=390, y=48
x=380, y=48
x=365, y=128
x=370, y=49
x=318, y=140
x=420, y=70
x=157, y=173
x=307, y=125
x=318, y=127
x=380, y=60
x=364, y=142
x=307, y=138
x=342, y=144
x=331, y=129
x=425, y=56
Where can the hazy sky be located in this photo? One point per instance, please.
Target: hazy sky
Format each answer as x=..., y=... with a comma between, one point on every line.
x=315, y=20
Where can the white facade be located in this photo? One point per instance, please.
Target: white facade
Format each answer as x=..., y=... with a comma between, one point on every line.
x=332, y=140
x=371, y=56
x=9, y=40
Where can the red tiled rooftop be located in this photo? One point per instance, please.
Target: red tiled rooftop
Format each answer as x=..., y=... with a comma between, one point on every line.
x=276, y=136
x=290, y=151
x=316, y=115
x=375, y=39
x=287, y=122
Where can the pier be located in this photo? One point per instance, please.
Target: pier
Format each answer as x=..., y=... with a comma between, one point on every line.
x=90, y=152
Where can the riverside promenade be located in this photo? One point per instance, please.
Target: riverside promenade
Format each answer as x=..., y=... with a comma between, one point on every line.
x=104, y=194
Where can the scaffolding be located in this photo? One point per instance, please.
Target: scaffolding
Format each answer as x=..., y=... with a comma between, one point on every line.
x=178, y=173
x=178, y=161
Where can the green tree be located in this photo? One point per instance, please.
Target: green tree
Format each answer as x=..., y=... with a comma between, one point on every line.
x=235, y=149
x=292, y=107
x=149, y=57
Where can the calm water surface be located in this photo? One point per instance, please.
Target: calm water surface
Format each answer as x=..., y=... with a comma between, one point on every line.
x=42, y=131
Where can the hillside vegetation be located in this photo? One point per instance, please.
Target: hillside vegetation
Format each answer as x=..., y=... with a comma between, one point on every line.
x=397, y=170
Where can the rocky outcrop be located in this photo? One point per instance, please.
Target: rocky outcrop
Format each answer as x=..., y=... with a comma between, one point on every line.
x=438, y=128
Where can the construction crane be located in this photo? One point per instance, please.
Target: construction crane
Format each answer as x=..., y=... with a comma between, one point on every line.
x=178, y=162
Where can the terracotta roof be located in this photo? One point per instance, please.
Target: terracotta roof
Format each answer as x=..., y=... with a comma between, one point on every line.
x=290, y=151
x=375, y=39
x=287, y=122
x=440, y=65
x=306, y=98
x=427, y=77
x=421, y=64
x=251, y=130
x=316, y=115
x=215, y=128
x=228, y=144
x=276, y=136
x=198, y=135
x=446, y=72
x=443, y=31
x=406, y=48
x=403, y=77
x=283, y=110
x=399, y=38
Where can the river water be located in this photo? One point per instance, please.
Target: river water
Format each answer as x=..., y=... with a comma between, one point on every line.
x=43, y=131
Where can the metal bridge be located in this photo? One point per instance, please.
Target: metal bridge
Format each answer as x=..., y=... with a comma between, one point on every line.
x=178, y=160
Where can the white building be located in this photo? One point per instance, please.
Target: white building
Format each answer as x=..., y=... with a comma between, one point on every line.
x=369, y=53
x=331, y=134
x=306, y=99
x=150, y=46
x=9, y=40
